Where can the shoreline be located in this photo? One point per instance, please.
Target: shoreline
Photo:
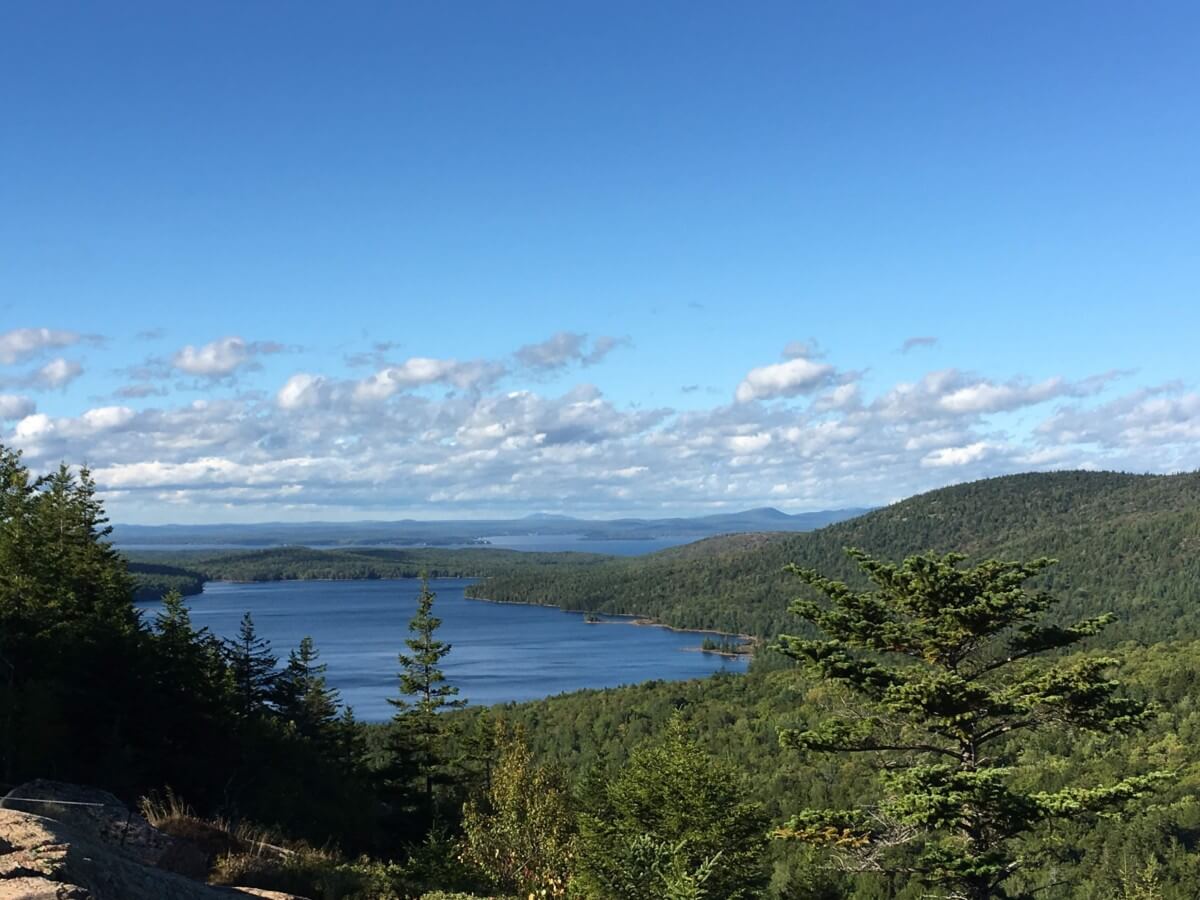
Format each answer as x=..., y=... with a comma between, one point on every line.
x=644, y=621
x=749, y=640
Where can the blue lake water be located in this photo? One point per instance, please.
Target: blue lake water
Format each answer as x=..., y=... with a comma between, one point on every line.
x=500, y=652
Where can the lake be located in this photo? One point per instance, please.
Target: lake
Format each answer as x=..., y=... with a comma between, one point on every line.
x=501, y=652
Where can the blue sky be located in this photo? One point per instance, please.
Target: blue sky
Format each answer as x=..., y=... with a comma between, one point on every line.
x=712, y=228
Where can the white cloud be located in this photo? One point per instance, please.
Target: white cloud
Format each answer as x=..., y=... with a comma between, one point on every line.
x=421, y=370
x=22, y=344
x=108, y=417
x=222, y=357
x=302, y=391
x=34, y=427
x=786, y=379
x=57, y=373
x=750, y=443
x=319, y=445
x=15, y=407
x=955, y=456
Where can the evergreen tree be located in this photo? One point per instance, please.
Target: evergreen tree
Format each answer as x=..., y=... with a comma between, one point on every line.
x=303, y=697
x=675, y=822
x=252, y=666
x=938, y=662
x=419, y=730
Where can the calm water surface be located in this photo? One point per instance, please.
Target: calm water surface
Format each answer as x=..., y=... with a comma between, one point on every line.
x=501, y=652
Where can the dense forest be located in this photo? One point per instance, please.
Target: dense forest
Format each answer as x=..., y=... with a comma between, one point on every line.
x=821, y=774
x=1129, y=543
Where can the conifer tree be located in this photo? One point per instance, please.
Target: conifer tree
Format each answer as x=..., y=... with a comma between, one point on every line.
x=419, y=731
x=302, y=695
x=941, y=668
x=252, y=666
x=673, y=823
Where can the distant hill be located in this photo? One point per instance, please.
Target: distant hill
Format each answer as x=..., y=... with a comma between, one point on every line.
x=1129, y=544
x=160, y=570
x=413, y=533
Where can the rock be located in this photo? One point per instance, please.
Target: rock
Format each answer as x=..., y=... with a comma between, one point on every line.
x=40, y=889
x=41, y=859
x=92, y=812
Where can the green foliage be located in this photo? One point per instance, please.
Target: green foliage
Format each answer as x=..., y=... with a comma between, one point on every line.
x=937, y=663
x=303, y=697
x=674, y=822
x=521, y=833
x=419, y=735
x=252, y=666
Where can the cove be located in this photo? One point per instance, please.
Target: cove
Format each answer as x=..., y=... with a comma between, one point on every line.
x=501, y=652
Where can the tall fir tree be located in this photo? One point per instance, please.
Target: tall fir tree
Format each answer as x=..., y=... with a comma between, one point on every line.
x=253, y=668
x=303, y=696
x=419, y=731
x=938, y=665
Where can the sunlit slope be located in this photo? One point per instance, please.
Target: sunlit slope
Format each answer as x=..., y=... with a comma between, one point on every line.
x=1129, y=544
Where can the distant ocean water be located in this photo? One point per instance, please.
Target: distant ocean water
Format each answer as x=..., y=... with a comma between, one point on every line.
x=501, y=652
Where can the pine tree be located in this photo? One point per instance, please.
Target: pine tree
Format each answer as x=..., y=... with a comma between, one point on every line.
x=938, y=663
x=418, y=745
x=253, y=668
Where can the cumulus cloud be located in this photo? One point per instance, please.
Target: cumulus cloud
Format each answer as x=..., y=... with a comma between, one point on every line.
x=57, y=373
x=302, y=391
x=422, y=370
x=222, y=357
x=955, y=456
x=951, y=392
x=15, y=407
x=566, y=348
x=22, y=344
x=472, y=438
x=798, y=375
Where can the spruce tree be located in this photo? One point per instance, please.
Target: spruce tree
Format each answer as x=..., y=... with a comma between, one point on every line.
x=419, y=732
x=303, y=697
x=944, y=671
x=252, y=666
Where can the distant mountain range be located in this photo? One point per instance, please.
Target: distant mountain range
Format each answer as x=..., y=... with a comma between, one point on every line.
x=415, y=533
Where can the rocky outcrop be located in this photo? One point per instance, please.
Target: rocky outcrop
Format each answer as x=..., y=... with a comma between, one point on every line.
x=93, y=813
x=72, y=851
x=40, y=857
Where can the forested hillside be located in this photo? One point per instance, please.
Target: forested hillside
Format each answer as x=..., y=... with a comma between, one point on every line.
x=1128, y=544
x=698, y=790
x=157, y=571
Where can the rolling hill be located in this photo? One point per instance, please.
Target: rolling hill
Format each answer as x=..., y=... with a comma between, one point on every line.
x=1129, y=544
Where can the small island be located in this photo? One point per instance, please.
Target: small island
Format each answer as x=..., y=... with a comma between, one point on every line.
x=728, y=647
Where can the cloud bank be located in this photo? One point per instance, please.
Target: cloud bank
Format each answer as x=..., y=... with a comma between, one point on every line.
x=427, y=435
